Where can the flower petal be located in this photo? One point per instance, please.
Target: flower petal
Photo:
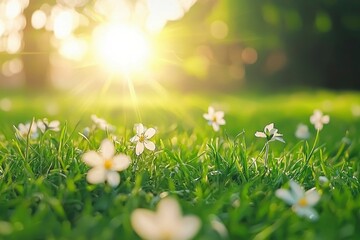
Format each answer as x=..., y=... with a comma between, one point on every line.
x=306, y=212
x=149, y=145
x=96, y=175
x=260, y=134
x=134, y=139
x=221, y=122
x=215, y=126
x=219, y=114
x=54, y=125
x=318, y=125
x=268, y=127
x=188, y=227
x=296, y=190
x=325, y=119
x=211, y=110
x=139, y=128
x=113, y=178
x=107, y=149
x=149, y=133
x=92, y=159
x=40, y=124
x=207, y=116
x=285, y=195
x=280, y=139
x=168, y=209
x=139, y=148
x=144, y=223
x=120, y=162
x=312, y=196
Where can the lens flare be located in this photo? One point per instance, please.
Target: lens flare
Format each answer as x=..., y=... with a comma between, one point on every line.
x=121, y=48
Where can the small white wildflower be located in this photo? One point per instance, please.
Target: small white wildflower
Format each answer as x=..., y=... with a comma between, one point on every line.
x=105, y=165
x=102, y=123
x=270, y=133
x=302, y=131
x=214, y=118
x=302, y=202
x=142, y=138
x=27, y=130
x=167, y=223
x=45, y=125
x=318, y=119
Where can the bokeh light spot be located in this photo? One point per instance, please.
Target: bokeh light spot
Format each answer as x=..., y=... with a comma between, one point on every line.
x=323, y=22
x=12, y=67
x=2, y=28
x=13, y=8
x=73, y=48
x=219, y=29
x=249, y=55
x=14, y=42
x=38, y=19
x=64, y=23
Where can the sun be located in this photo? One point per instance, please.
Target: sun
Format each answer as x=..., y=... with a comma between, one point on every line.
x=121, y=48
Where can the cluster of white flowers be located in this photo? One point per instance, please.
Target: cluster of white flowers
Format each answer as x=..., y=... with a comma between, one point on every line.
x=101, y=124
x=318, y=119
x=168, y=222
x=31, y=129
x=106, y=164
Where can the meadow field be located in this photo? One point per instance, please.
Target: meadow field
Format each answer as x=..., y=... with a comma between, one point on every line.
x=230, y=183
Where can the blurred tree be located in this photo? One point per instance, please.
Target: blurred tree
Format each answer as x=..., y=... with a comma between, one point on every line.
x=36, y=51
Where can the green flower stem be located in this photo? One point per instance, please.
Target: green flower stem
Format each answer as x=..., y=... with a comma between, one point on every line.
x=266, y=154
x=308, y=157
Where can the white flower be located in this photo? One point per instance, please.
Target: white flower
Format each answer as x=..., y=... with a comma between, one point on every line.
x=27, y=130
x=142, y=138
x=318, y=119
x=270, y=133
x=45, y=125
x=215, y=119
x=167, y=223
x=105, y=164
x=302, y=202
x=302, y=131
x=102, y=123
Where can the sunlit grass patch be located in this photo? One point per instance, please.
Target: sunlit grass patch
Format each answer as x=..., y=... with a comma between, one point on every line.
x=226, y=178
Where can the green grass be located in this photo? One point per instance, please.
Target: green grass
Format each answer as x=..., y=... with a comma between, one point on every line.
x=44, y=193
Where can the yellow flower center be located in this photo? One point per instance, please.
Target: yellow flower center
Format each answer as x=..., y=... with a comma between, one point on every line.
x=142, y=138
x=214, y=119
x=108, y=164
x=302, y=202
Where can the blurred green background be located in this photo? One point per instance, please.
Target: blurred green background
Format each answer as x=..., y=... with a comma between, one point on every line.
x=204, y=44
